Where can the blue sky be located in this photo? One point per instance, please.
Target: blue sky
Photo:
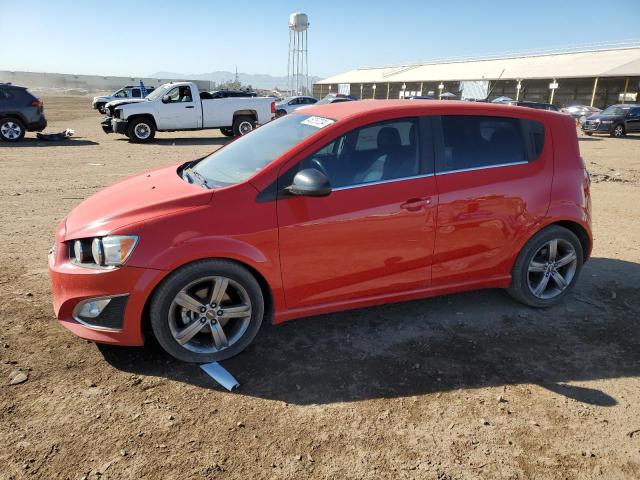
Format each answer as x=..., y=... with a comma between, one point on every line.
x=195, y=36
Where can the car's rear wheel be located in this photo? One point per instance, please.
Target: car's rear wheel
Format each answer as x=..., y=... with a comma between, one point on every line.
x=547, y=268
x=280, y=113
x=227, y=131
x=141, y=130
x=618, y=131
x=11, y=130
x=243, y=125
x=207, y=311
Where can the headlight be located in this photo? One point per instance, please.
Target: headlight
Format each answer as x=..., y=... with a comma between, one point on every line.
x=114, y=250
x=110, y=251
x=80, y=251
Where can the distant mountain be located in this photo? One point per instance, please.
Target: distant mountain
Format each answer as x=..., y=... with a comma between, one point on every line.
x=256, y=80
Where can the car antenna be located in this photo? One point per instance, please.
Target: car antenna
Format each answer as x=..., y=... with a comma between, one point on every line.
x=486, y=99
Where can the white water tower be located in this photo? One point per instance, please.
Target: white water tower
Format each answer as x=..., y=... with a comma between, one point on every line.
x=298, y=63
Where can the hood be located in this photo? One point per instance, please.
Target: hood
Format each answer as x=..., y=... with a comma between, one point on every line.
x=600, y=116
x=124, y=101
x=101, y=97
x=134, y=200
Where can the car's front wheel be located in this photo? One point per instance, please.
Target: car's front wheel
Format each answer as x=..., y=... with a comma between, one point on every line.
x=11, y=130
x=547, y=268
x=618, y=131
x=207, y=311
x=141, y=130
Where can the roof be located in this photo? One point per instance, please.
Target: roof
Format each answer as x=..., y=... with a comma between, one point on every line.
x=343, y=110
x=599, y=63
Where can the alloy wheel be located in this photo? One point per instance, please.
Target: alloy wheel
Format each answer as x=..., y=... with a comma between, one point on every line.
x=10, y=130
x=210, y=314
x=245, y=127
x=618, y=131
x=552, y=269
x=142, y=131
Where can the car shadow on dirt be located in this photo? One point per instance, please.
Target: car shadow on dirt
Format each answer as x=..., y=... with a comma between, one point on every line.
x=34, y=142
x=186, y=141
x=469, y=340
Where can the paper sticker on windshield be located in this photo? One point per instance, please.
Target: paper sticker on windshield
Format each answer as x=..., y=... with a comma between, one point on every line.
x=318, y=122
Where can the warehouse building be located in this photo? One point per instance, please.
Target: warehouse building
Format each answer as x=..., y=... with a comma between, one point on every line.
x=597, y=77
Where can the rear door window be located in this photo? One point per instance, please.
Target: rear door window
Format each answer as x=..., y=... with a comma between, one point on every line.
x=474, y=142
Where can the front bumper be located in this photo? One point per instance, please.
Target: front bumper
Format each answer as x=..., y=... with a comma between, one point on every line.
x=106, y=125
x=593, y=127
x=72, y=284
x=119, y=126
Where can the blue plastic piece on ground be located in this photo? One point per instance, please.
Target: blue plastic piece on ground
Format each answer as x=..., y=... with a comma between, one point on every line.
x=220, y=375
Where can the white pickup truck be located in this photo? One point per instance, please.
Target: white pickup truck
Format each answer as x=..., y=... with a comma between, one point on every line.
x=181, y=106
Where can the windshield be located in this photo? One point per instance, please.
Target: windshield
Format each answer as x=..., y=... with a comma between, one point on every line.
x=613, y=110
x=158, y=93
x=248, y=155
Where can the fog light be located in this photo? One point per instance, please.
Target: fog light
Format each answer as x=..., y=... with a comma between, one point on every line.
x=92, y=308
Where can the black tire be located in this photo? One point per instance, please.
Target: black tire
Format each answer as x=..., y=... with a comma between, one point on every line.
x=520, y=288
x=227, y=131
x=241, y=125
x=11, y=129
x=100, y=107
x=588, y=134
x=164, y=296
x=141, y=130
x=618, y=131
x=280, y=113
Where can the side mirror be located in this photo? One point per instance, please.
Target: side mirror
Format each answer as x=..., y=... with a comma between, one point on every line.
x=166, y=99
x=311, y=183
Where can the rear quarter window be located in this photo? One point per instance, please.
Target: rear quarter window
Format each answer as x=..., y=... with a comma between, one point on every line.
x=5, y=94
x=473, y=141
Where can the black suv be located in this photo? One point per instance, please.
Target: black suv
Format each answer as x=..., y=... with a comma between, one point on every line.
x=232, y=93
x=616, y=120
x=539, y=105
x=20, y=112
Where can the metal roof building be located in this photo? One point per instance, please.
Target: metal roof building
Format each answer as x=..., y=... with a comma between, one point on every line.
x=597, y=77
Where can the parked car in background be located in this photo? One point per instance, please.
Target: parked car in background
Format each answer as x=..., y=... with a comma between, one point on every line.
x=181, y=106
x=329, y=208
x=537, y=105
x=289, y=104
x=129, y=91
x=421, y=97
x=616, y=120
x=581, y=112
x=232, y=93
x=332, y=98
x=20, y=112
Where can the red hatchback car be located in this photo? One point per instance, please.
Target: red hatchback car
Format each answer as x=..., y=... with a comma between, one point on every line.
x=334, y=207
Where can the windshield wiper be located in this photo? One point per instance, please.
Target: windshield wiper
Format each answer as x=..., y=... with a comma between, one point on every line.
x=193, y=175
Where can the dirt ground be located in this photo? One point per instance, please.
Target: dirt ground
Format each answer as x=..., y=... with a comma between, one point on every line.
x=458, y=387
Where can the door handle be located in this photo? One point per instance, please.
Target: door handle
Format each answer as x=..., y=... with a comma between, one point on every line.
x=190, y=106
x=415, y=204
